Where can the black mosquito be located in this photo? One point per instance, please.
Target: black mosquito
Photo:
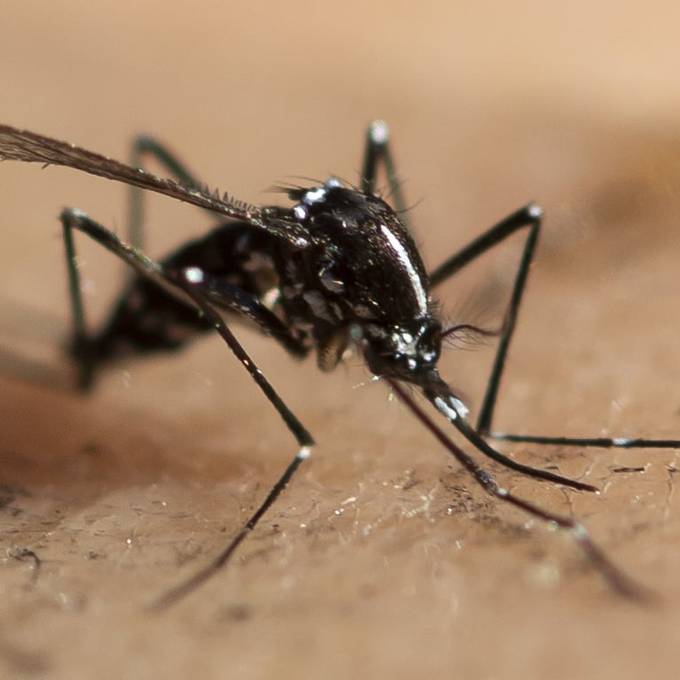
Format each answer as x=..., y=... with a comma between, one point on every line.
x=338, y=270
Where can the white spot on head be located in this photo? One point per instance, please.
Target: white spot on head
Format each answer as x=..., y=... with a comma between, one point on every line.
x=315, y=195
x=379, y=131
x=621, y=441
x=194, y=275
x=332, y=183
x=404, y=343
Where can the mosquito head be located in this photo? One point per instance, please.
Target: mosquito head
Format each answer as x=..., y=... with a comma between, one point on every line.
x=337, y=206
x=407, y=351
x=310, y=197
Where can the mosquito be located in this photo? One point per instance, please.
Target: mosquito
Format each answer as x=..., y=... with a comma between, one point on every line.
x=337, y=270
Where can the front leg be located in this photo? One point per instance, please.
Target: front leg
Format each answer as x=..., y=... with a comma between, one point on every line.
x=527, y=217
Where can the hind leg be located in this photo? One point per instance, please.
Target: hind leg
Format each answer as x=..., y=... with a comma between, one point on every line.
x=143, y=146
x=151, y=315
x=81, y=345
x=193, y=285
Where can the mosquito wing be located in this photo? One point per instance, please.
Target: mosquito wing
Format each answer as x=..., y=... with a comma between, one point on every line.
x=22, y=145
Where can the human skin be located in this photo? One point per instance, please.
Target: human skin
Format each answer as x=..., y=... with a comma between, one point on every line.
x=382, y=559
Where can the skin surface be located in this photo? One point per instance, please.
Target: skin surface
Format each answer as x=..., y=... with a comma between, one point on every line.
x=383, y=559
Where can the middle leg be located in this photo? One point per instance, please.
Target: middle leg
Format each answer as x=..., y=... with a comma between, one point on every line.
x=377, y=151
x=527, y=217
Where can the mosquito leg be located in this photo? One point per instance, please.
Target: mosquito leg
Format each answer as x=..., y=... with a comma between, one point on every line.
x=142, y=147
x=482, y=445
x=180, y=591
x=227, y=296
x=377, y=150
x=81, y=347
x=598, y=560
x=190, y=280
x=597, y=442
x=529, y=216
x=438, y=393
x=190, y=283
x=444, y=400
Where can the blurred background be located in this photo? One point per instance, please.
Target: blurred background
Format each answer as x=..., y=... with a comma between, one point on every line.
x=382, y=561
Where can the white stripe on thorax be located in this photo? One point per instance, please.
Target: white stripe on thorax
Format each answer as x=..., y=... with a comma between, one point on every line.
x=399, y=249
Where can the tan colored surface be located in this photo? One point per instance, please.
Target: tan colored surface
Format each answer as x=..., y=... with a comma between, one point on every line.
x=382, y=560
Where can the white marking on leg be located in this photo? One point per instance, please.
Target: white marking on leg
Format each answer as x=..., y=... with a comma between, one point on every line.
x=194, y=275
x=304, y=453
x=379, y=132
x=456, y=408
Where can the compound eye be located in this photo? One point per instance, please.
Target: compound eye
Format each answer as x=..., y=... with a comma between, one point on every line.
x=429, y=344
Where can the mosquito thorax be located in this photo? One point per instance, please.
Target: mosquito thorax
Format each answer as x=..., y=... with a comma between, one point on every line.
x=364, y=263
